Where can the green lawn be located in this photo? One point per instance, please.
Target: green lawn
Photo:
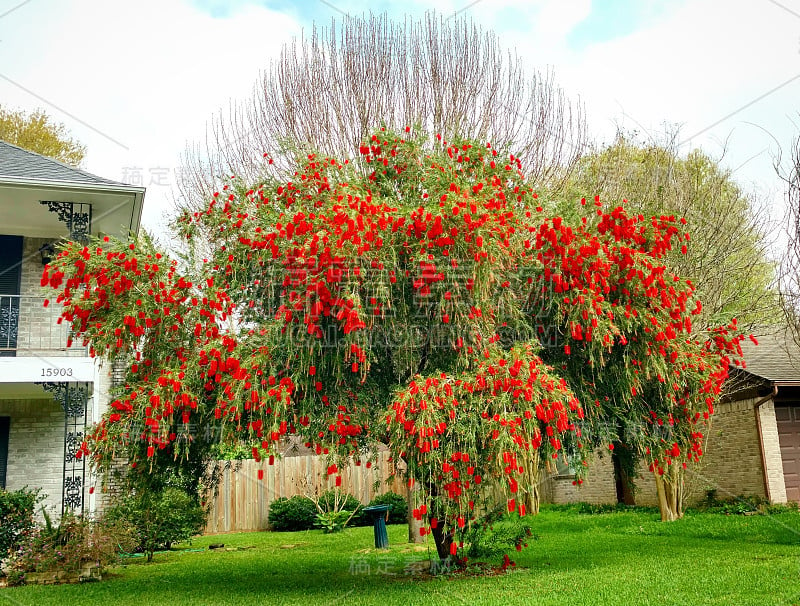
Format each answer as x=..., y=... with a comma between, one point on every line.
x=614, y=558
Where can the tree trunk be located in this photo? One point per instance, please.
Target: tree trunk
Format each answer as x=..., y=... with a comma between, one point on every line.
x=413, y=524
x=623, y=483
x=443, y=542
x=669, y=488
x=533, y=497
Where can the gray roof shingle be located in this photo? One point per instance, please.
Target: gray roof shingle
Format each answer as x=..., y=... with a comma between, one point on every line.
x=18, y=163
x=775, y=358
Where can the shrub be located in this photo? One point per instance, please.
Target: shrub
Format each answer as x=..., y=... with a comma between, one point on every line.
x=16, y=516
x=496, y=533
x=398, y=514
x=333, y=521
x=160, y=518
x=69, y=546
x=302, y=513
x=296, y=513
x=741, y=504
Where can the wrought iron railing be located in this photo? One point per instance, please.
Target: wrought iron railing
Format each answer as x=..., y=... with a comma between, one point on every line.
x=28, y=328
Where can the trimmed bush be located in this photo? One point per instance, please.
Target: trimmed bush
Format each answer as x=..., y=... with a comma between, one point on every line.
x=296, y=513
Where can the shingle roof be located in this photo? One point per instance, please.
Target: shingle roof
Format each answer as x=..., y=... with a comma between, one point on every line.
x=18, y=163
x=775, y=358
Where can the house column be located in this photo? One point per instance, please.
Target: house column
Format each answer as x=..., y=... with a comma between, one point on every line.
x=74, y=398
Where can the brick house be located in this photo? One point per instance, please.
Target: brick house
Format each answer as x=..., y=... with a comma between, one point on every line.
x=753, y=447
x=50, y=389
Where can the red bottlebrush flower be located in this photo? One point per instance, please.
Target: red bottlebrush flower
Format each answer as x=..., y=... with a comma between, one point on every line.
x=566, y=349
x=611, y=447
x=91, y=490
x=512, y=505
x=338, y=481
x=151, y=451
x=754, y=340
x=46, y=302
x=453, y=549
x=260, y=474
x=312, y=370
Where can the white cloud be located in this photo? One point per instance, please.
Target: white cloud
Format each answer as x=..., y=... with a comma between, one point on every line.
x=147, y=74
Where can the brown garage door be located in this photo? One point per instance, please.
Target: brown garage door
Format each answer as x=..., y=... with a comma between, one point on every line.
x=788, y=418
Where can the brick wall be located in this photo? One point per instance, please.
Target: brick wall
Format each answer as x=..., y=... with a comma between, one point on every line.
x=598, y=485
x=732, y=460
x=731, y=464
x=39, y=332
x=772, y=452
x=35, y=447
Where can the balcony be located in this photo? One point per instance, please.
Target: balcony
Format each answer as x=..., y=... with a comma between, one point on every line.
x=29, y=329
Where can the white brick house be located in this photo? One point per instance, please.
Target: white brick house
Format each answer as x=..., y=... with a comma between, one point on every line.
x=50, y=389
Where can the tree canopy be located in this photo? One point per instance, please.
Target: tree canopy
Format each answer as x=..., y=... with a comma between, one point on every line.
x=418, y=296
x=727, y=258
x=37, y=132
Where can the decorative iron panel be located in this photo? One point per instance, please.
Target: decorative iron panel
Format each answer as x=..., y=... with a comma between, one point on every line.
x=74, y=398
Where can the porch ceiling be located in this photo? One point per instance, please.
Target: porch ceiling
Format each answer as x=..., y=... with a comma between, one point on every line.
x=115, y=211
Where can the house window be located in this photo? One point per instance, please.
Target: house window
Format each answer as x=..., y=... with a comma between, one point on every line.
x=5, y=425
x=563, y=470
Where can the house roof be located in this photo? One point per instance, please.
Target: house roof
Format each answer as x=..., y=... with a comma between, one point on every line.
x=775, y=358
x=20, y=164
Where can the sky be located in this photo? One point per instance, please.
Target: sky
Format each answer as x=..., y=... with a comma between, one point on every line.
x=137, y=81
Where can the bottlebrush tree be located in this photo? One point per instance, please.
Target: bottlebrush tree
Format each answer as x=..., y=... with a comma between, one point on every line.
x=431, y=305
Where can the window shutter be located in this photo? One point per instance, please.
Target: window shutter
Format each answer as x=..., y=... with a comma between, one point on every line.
x=10, y=264
x=5, y=426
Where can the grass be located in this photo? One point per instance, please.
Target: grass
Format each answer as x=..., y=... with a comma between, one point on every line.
x=610, y=558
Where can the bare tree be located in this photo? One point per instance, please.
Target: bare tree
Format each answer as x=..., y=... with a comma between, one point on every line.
x=790, y=264
x=327, y=91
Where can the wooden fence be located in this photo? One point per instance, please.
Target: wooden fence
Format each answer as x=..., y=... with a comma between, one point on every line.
x=242, y=501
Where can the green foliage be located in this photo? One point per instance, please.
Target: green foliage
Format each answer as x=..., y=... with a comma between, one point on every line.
x=69, y=545
x=398, y=514
x=301, y=513
x=333, y=521
x=295, y=513
x=496, y=534
x=740, y=505
x=161, y=518
x=727, y=260
x=37, y=133
x=16, y=516
x=599, y=508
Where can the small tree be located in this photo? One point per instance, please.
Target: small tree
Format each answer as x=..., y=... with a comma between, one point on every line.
x=38, y=133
